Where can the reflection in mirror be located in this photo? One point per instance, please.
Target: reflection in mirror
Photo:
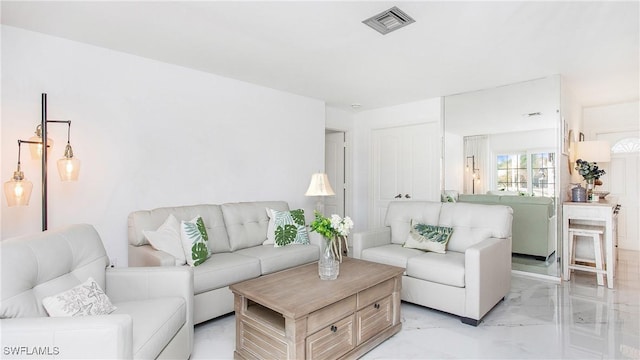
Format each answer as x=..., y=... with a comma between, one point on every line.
x=502, y=147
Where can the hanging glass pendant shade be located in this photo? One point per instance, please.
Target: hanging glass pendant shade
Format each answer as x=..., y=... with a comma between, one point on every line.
x=18, y=189
x=35, y=147
x=68, y=166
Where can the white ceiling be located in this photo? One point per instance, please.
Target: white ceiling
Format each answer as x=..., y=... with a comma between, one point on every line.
x=322, y=50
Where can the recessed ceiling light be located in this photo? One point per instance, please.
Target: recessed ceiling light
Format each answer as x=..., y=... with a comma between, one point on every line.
x=389, y=20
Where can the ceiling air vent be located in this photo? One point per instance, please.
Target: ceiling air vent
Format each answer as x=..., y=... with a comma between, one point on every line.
x=389, y=20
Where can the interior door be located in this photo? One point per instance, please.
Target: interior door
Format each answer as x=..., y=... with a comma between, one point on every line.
x=406, y=166
x=621, y=180
x=334, y=157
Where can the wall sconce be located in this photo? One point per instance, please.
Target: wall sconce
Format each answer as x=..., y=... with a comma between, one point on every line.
x=319, y=186
x=475, y=172
x=18, y=190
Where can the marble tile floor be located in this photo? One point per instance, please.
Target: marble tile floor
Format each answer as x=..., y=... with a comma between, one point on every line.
x=538, y=320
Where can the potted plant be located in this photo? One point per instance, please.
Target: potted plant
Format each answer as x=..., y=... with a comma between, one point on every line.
x=591, y=174
x=334, y=230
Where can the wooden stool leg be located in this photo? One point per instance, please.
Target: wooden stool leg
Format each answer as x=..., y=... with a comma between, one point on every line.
x=572, y=246
x=597, y=247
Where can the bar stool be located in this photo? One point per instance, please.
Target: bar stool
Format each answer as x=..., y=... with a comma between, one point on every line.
x=596, y=233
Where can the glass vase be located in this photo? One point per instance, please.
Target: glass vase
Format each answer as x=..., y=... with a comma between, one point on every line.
x=590, y=187
x=328, y=265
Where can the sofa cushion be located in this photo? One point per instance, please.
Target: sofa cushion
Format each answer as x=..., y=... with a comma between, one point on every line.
x=83, y=300
x=274, y=259
x=152, y=219
x=286, y=227
x=194, y=241
x=400, y=214
x=473, y=223
x=446, y=269
x=392, y=254
x=247, y=222
x=428, y=237
x=156, y=322
x=167, y=238
x=222, y=270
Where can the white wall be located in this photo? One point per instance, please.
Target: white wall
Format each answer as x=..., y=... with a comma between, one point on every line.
x=609, y=118
x=424, y=111
x=149, y=134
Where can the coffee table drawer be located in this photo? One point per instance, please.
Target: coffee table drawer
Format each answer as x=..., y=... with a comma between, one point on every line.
x=374, y=293
x=332, y=341
x=328, y=314
x=374, y=318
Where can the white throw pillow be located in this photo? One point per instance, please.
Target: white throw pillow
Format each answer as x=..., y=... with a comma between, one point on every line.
x=194, y=241
x=270, y=228
x=167, y=238
x=82, y=300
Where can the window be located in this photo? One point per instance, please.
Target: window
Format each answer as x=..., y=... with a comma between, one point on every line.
x=512, y=172
x=531, y=173
x=628, y=145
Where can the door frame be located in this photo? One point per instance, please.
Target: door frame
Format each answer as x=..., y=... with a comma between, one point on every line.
x=348, y=168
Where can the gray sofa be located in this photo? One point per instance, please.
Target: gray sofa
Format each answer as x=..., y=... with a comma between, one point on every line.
x=153, y=318
x=534, y=222
x=470, y=278
x=236, y=234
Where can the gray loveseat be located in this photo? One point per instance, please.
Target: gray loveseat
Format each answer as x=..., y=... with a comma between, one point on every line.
x=236, y=234
x=154, y=305
x=534, y=222
x=470, y=278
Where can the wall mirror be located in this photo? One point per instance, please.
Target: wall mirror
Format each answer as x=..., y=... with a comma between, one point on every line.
x=502, y=146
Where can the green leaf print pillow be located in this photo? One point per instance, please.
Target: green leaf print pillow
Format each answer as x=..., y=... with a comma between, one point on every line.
x=194, y=241
x=428, y=237
x=289, y=227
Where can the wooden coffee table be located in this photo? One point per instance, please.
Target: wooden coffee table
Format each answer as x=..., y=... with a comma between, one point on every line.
x=293, y=314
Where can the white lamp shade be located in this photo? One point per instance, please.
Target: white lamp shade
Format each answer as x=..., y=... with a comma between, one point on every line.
x=18, y=192
x=69, y=169
x=593, y=151
x=319, y=186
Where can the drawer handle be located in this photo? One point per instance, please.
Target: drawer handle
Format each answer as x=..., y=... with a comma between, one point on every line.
x=376, y=305
x=334, y=328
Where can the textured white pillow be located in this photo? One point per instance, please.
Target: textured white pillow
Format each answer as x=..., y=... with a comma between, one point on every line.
x=82, y=300
x=194, y=241
x=167, y=239
x=428, y=237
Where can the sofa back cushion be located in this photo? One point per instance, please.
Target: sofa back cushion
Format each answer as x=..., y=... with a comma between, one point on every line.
x=152, y=219
x=473, y=223
x=479, y=198
x=400, y=214
x=47, y=263
x=247, y=222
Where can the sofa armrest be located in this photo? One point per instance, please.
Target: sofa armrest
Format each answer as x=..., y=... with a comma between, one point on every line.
x=315, y=239
x=145, y=255
x=368, y=239
x=141, y=283
x=84, y=337
x=487, y=275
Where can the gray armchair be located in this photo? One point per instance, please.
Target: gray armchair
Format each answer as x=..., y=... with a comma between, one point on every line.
x=153, y=319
